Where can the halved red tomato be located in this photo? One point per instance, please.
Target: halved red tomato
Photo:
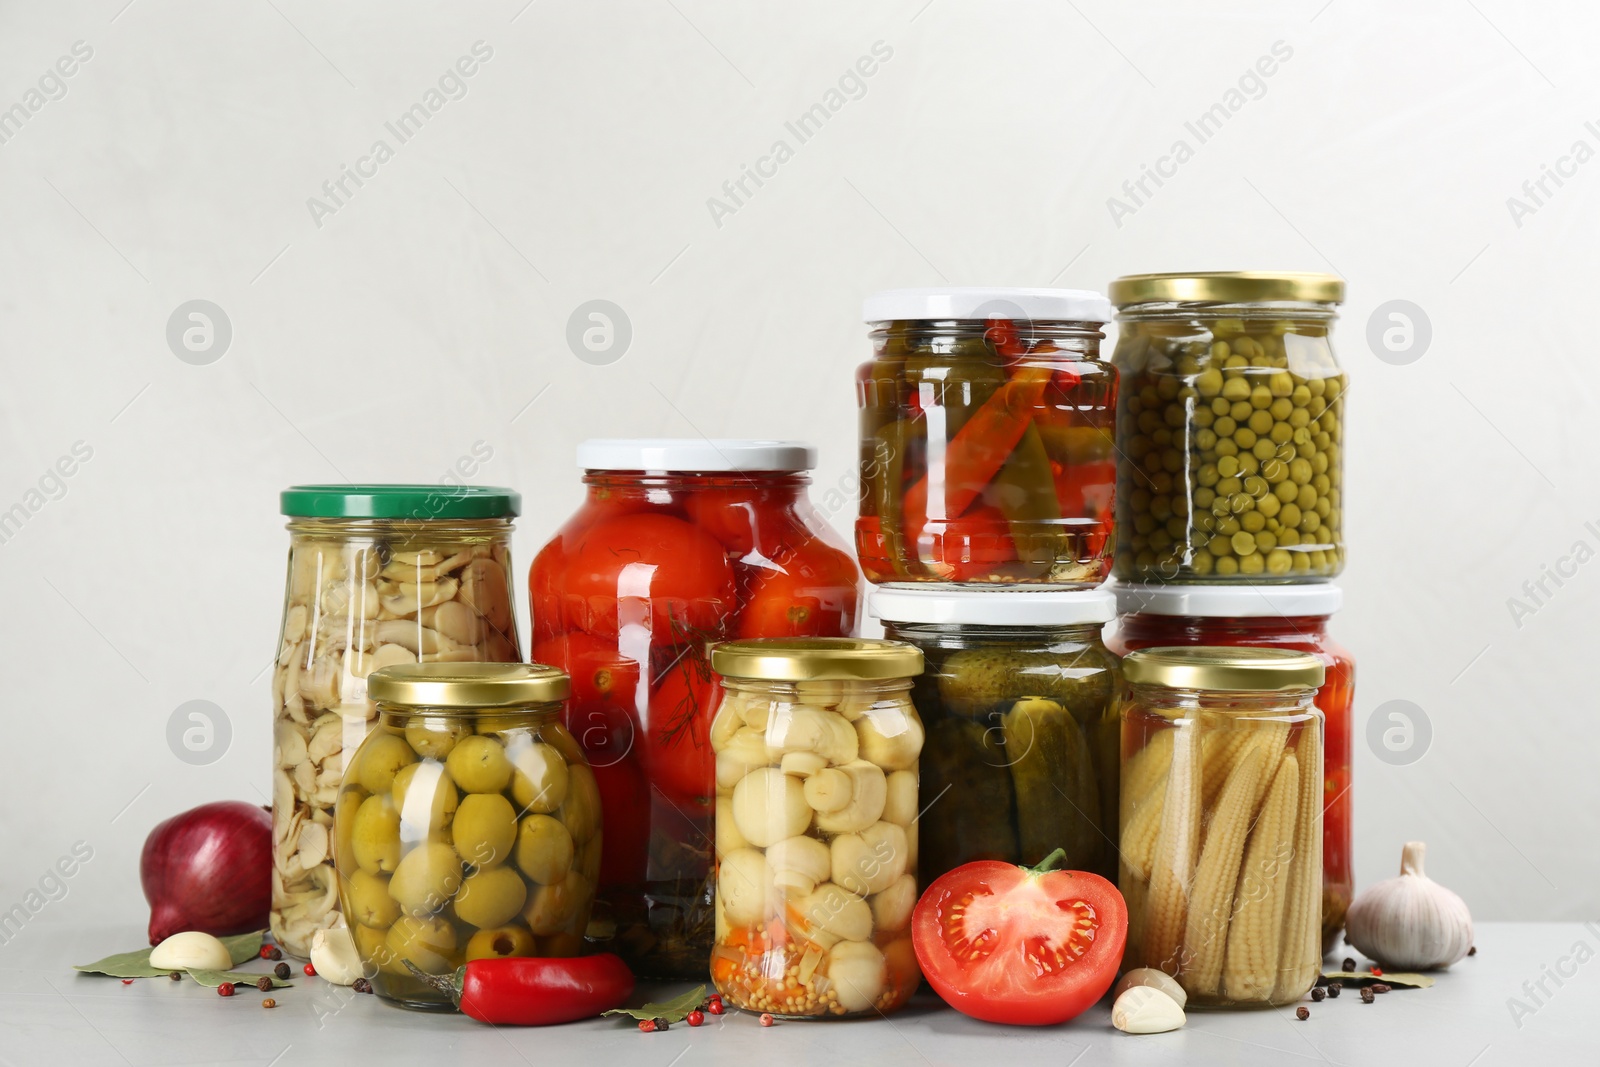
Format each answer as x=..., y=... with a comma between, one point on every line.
x=651, y=570
x=811, y=592
x=1022, y=945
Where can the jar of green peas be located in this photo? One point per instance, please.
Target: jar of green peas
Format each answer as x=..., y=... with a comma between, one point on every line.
x=1230, y=427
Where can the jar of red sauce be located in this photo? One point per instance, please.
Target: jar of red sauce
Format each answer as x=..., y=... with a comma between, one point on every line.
x=1266, y=616
x=678, y=544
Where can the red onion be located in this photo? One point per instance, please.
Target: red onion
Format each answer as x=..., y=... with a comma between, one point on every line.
x=209, y=869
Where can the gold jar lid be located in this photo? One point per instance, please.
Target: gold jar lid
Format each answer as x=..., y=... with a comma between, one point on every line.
x=1227, y=287
x=468, y=685
x=1236, y=669
x=808, y=659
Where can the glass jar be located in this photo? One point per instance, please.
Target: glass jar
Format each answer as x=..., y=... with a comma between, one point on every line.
x=678, y=543
x=469, y=825
x=1275, y=616
x=986, y=438
x=1230, y=428
x=1020, y=700
x=378, y=575
x=1221, y=841
x=816, y=832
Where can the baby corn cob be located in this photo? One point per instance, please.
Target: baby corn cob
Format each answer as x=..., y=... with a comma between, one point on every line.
x=1254, y=933
x=1302, y=928
x=1148, y=767
x=1176, y=844
x=1226, y=746
x=1141, y=827
x=1205, y=938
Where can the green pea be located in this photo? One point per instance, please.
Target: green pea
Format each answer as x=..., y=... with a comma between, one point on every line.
x=1236, y=388
x=1224, y=426
x=1300, y=471
x=1206, y=440
x=1203, y=562
x=1290, y=515
x=1204, y=495
x=1261, y=398
x=1288, y=537
x=1244, y=544
x=1252, y=522
x=1244, y=437
x=1206, y=476
x=1226, y=447
x=1252, y=564
x=1281, y=407
x=1307, y=497
x=1281, y=433
x=1229, y=486
x=1227, y=567
x=1260, y=421
x=1219, y=545
x=1256, y=486
x=1204, y=417
x=1286, y=490
x=1219, y=406
x=1241, y=410
x=1281, y=385
x=1209, y=382
x=1264, y=449
x=1278, y=561
x=1266, y=540
x=1299, y=418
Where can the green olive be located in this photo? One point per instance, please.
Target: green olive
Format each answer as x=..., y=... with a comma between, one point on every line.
x=375, y=835
x=485, y=829
x=427, y=809
x=491, y=898
x=351, y=797
x=380, y=757
x=426, y=878
x=428, y=943
x=372, y=947
x=433, y=738
x=539, y=775
x=581, y=812
x=479, y=765
x=544, y=849
x=367, y=901
x=559, y=908
x=501, y=942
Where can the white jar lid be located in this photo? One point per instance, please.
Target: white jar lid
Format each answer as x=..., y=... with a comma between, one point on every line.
x=693, y=454
x=1228, y=601
x=993, y=607
x=984, y=302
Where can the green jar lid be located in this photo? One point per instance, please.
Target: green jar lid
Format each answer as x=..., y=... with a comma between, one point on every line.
x=400, y=502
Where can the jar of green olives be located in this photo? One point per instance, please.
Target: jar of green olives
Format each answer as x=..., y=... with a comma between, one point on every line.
x=1230, y=428
x=1019, y=698
x=468, y=825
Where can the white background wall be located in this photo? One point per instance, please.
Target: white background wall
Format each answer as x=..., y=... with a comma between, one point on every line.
x=429, y=313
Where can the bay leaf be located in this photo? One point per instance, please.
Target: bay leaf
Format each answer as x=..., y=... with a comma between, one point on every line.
x=674, y=1011
x=249, y=978
x=1404, y=979
x=134, y=964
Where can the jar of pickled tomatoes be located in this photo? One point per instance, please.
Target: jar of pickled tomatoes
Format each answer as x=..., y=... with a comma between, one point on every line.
x=986, y=438
x=679, y=543
x=1294, y=617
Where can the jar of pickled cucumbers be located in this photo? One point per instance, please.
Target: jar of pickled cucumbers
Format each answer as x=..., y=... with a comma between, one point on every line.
x=1221, y=835
x=1230, y=428
x=817, y=746
x=986, y=438
x=468, y=825
x=1019, y=699
x=378, y=575
x=1266, y=616
x=679, y=543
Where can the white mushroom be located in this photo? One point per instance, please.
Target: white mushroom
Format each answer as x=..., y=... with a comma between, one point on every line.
x=744, y=752
x=890, y=736
x=798, y=864
x=870, y=861
x=802, y=764
x=891, y=909
x=823, y=694
x=858, y=972
x=802, y=728
x=729, y=839
x=725, y=723
x=901, y=807
x=410, y=597
x=830, y=914
x=847, y=799
x=769, y=806
x=742, y=882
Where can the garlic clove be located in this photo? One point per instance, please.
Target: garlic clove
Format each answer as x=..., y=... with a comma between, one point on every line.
x=1149, y=976
x=1144, y=1009
x=1410, y=922
x=334, y=955
x=191, y=950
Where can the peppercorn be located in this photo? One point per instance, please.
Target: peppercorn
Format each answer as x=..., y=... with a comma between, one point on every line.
x=1473, y=951
x=1349, y=964
x=225, y=989
x=175, y=975
x=766, y=1018
x=281, y=970
x=269, y=1003
x=661, y=1024
x=361, y=985
x=714, y=1006
x=311, y=972
x=1368, y=996
x=647, y=1026
x=1335, y=988
x=1319, y=994
x=695, y=1018
x=1302, y=1013
x=275, y=954
x=1381, y=987
x=264, y=983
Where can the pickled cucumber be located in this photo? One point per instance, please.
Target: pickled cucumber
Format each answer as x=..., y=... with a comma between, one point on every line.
x=977, y=681
x=966, y=796
x=1057, y=794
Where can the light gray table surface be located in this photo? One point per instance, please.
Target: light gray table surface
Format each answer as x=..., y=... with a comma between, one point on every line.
x=49, y=1015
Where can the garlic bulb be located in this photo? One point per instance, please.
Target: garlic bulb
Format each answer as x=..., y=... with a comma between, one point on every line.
x=1410, y=921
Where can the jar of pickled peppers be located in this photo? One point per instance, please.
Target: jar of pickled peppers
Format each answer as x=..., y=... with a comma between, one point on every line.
x=1230, y=428
x=1267, y=616
x=817, y=748
x=1020, y=701
x=1221, y=836
x=986, y=438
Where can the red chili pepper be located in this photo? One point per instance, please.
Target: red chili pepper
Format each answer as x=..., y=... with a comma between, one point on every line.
x=1377, y=970
x=535, y=991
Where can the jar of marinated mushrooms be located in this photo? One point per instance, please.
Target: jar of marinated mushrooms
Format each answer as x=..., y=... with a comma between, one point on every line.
x=1230, y=428
x=1021, y=706
x=378, y=575
x=816, y=830
x=468, y=825
x=1221, y=813
x=1266, y=616
x=986, y=438
x=678, y=544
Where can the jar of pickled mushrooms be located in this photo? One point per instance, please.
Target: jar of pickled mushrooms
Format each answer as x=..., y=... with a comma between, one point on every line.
x=379, y=575
x=816, y=745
